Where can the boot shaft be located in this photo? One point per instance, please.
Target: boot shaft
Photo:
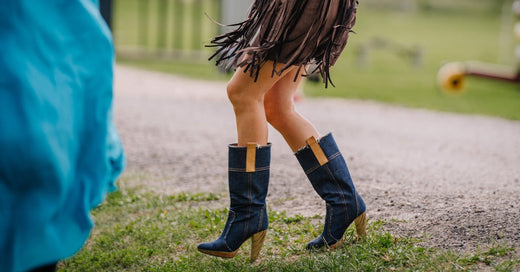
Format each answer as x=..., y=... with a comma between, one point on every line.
x=238, y=155
x=317, y=153
x=328, y=173
x=248, y=171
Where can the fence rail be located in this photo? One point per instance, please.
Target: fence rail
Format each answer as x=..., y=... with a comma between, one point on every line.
x=164, y=27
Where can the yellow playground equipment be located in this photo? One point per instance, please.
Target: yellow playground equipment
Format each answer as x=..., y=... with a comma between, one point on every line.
x=451, y=76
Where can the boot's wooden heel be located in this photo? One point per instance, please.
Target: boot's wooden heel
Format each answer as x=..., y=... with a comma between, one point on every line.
x=257, y=241
x=361, y=225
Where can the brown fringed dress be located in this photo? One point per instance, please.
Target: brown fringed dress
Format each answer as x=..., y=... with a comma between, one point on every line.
x=292, y=32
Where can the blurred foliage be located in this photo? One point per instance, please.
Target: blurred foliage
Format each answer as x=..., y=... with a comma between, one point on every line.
x=141, y=26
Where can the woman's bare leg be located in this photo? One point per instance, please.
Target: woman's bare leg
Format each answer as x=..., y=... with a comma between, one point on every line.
x=247, y=97
x=331, y=180
x=282, y=115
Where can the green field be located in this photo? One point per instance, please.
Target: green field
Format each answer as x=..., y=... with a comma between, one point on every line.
x=450, y=32
x=442, y=38
x=146, y=232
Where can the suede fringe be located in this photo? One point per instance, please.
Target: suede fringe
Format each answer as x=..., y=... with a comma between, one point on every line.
x=270, y=22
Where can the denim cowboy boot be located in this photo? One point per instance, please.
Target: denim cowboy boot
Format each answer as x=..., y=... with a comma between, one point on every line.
x=329, y=175
x=248, y=181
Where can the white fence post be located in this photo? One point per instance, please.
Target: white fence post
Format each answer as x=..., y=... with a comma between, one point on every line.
x=234, y=11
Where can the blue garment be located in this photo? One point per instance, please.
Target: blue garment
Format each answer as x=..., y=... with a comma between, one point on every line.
x=59, y=150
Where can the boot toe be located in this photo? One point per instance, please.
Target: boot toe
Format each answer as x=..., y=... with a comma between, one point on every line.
x=317, y=243
x=214, y=246
x=320, y=243
x=215, y=250
x=205, y=246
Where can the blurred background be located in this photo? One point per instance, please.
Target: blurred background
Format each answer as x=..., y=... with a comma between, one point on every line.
x=393, y=57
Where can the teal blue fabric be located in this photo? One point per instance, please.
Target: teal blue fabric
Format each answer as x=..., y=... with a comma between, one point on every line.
x=59, y=150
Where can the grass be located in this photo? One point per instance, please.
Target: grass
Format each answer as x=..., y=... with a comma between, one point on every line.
x=190, y=69
x=386, y=75
x=146, y=232
x=442, y=37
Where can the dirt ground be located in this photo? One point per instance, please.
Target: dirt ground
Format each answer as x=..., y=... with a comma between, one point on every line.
x=452, y=178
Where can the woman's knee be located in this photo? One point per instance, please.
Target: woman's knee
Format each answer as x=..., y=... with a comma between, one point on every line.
x=241, y=96
x=276, y=113
x=233, y=92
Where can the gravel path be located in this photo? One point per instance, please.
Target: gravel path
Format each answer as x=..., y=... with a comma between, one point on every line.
x=452, y=178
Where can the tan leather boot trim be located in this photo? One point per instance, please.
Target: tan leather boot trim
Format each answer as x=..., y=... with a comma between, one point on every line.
x=251, y=157
x=316, y=149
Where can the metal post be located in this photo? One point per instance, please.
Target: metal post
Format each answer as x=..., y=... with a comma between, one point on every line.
x=105, y=6
x=143, y=21
x=516, y=11
x=196, y=42
x=161, y=23
x=178, y=18
x=234, y=11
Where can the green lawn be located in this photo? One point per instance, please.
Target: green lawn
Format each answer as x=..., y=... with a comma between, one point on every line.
x=442, y=35
x=146, y=232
